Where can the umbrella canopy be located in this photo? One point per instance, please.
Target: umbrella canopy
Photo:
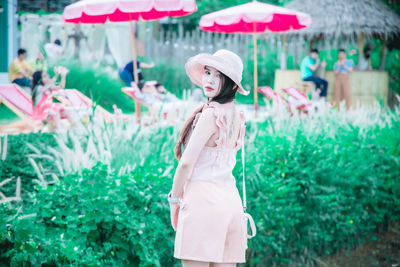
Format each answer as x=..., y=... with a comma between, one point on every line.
x=99, y=11
x=254, y=17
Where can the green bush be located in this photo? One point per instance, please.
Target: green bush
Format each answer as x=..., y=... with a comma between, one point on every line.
x=18, y=163
x=172, y=76
x=106, y=214
x=100, y=84
x=266, y=67
x=92, y=219
x=393, y=67
x=314, y=190
x=315, y=186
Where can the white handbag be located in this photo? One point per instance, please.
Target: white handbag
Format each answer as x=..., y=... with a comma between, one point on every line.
x=247, y=217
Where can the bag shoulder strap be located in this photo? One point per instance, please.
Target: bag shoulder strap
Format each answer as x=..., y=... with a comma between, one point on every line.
x=244, y=181
x=241, y=140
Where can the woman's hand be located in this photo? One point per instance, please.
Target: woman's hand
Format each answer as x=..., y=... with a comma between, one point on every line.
x=63, y=71
x=174, y=212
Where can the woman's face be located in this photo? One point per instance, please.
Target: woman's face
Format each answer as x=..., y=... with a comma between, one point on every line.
x=45, y=78
x=342, y=55
x=211, y=81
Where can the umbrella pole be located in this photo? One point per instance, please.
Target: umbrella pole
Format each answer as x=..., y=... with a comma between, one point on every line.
x=135, y=74
x=132, y=29
x=255, y=72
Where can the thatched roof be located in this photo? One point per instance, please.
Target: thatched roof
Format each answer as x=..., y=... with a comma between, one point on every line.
x=334, y=18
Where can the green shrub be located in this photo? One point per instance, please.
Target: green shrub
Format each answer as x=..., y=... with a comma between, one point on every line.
x=172, y=76
x=101, y=84
x=315, y=186
x=393, y=67
x=18, y=163
x=321, y=187
x=93, y=219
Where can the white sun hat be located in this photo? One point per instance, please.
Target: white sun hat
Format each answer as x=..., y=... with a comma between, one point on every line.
x=223, y=60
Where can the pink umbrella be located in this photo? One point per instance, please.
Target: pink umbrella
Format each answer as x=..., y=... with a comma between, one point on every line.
x=99, y=11
x=254, y=17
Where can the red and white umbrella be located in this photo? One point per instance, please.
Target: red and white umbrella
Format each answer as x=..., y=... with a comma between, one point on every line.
x=100, y=11
x=254, y=17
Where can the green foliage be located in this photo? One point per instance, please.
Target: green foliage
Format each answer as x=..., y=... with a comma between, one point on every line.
x=172, y=76
x=98, y=215
x=331, y=56
x=17, y=162
x=92, y=219
x=266, y=67
x=393, y=67
x=314, y=184
x=102, y=85
x=393, y=5
x=321, y=187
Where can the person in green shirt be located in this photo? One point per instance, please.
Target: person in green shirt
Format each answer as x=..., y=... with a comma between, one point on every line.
x=307, y=69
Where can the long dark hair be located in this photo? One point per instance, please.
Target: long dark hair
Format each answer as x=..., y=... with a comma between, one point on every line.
x=226, y=94
x=36, y=80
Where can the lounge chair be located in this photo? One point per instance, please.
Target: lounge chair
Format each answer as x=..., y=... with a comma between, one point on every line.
x=12, y=96
x=278, y=100
x=21, y=104
x=74, y=98
x=298, y=99
x=150, y=101
x=304, y=104
x=133, y=93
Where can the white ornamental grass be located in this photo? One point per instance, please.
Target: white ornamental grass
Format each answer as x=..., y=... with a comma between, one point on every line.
x=124, y=146
x=121, y=146
x=4, y=146
x=280, y=121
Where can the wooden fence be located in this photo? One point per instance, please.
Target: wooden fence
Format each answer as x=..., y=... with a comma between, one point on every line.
x=177, y=47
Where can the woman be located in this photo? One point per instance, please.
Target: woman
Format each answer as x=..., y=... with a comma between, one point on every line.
x=205, y=205
x=365, y=60
x=43, y=107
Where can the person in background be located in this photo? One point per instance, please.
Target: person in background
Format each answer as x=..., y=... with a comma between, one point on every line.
x=42, y=85
x=307, y=69
x=365, y=62
x=54, y=51
x=341, y=85
x=43, y=88
x=19, y=71
x=126, y=73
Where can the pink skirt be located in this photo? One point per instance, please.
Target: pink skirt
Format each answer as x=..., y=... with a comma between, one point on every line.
x=211, y=227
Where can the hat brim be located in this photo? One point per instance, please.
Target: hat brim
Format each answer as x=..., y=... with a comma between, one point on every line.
x=195, y=69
